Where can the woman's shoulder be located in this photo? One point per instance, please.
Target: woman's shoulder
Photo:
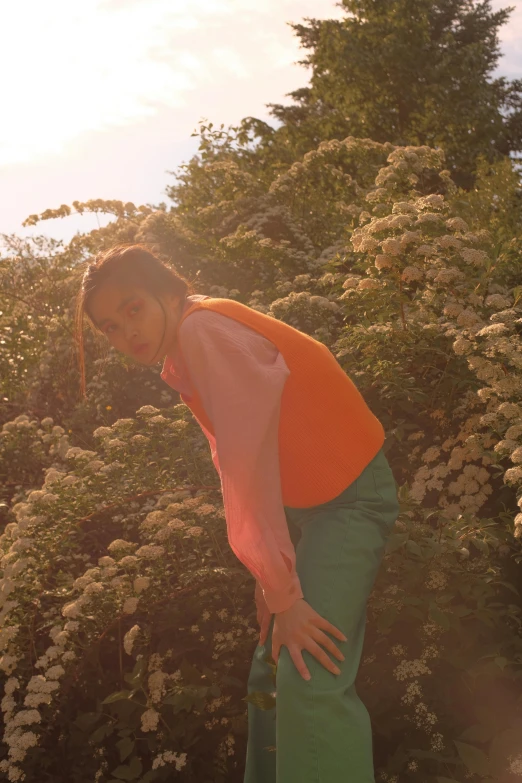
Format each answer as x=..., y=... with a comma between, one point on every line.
x=204, y=318
x=212, y=326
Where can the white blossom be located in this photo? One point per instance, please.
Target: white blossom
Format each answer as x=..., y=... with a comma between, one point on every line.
x=149, y=720
x=141, y=583
x=130, y=638
x=130, y=605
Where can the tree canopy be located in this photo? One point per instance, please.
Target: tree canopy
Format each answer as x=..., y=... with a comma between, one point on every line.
x=404, y=71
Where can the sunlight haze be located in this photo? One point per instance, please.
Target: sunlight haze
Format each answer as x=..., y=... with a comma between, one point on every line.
x=102, y=95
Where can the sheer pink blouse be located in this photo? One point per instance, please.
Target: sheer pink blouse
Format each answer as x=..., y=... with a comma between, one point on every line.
x=240, y=376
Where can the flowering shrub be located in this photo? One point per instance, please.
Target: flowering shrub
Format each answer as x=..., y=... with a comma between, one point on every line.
x=127, y=627
x=444, y=623
x=436, y=275
x=27, y=447
x=118, y=617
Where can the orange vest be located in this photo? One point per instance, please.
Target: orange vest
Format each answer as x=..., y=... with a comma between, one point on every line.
x=327, y=433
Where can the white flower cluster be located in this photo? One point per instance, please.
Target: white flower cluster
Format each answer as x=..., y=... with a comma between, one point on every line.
x=39, y=690
x=168, y=757
x=515, y=765
x=410, y=669
x=436, y=254
x=129, y=639
x=53, y=439
x=436, y=580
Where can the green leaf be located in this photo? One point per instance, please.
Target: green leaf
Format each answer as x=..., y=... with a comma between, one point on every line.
x=125, y=747
x=261, y=699
x=418, y=613
x=189, y=673
x=412, y=546
x=509, y=587
x=395, y=541
x=478, y=733
x=130, y=771
x=439, y=617
x=227, y=680
x=101, y=732
x=474, y=758
x=118, y=696
x=481, y=545
x=411, y=600
x=505, y=744
x=135, y=677
x=461, y=611
x=387, y=618
x=445, y=599
x=186, y=699
x=270, y=663
x=86, y=720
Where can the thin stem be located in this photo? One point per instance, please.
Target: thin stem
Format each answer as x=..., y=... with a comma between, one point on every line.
x=120, y=648
x=403, y=319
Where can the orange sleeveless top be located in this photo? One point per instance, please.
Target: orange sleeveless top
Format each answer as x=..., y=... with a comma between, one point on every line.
x=327, y=433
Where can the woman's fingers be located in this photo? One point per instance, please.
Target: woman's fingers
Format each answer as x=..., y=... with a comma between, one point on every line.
x=322, y=638
x=324, y=625
x=318, y=653
x=300, y=665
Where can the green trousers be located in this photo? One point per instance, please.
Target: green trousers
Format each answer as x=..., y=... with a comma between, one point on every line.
x=321, y=729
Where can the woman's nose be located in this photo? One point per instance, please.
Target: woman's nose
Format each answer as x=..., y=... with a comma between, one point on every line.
x=130, y=332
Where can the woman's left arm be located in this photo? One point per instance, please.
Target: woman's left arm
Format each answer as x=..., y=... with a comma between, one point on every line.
x=240, y=376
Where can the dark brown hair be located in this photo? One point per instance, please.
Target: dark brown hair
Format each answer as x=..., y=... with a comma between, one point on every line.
x=125, y=263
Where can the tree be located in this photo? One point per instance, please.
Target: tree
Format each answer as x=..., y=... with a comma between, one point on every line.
x=404, y=71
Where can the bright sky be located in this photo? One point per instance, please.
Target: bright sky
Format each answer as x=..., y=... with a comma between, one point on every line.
x=100, y=97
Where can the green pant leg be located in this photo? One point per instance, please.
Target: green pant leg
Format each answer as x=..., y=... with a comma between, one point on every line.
x=323, y=731
x=260, y=765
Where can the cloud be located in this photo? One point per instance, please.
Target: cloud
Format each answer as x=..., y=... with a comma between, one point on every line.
x=510, y=37
x=99, y=64
x=100, y=96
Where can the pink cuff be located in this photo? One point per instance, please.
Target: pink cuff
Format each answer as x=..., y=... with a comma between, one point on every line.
x=281, y=600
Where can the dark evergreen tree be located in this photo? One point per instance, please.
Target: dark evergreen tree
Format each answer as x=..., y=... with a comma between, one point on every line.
x=405, y=71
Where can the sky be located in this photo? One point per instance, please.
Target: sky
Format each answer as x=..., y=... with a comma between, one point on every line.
x=100, y=97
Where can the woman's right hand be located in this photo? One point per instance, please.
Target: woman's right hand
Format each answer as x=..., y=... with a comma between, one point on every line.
x=263, y=613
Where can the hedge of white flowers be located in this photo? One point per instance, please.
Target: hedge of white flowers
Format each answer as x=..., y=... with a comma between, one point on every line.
x=127, y=626
x=106, y=554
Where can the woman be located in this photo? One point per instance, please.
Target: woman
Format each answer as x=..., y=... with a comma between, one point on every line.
x=309, y=497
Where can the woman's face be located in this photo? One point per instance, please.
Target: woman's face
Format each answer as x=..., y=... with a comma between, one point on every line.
x=133, y=321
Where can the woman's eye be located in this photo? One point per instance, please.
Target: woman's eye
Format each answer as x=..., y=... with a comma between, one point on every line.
x=131, y=311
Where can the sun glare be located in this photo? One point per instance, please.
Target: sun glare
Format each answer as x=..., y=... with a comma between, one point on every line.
x=88, y=66
x=75, y=67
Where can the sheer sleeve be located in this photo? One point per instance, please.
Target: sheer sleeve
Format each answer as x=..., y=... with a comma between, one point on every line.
x=240, y=376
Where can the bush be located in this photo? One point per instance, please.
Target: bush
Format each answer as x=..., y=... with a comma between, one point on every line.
x=127, y=626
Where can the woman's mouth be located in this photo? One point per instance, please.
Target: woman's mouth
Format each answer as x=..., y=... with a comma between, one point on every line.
x=140, y=349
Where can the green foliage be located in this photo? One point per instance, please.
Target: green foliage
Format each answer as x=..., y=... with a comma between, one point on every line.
x=167, y=577
x=494, y=201
x=126, y=624
x=404, y=71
